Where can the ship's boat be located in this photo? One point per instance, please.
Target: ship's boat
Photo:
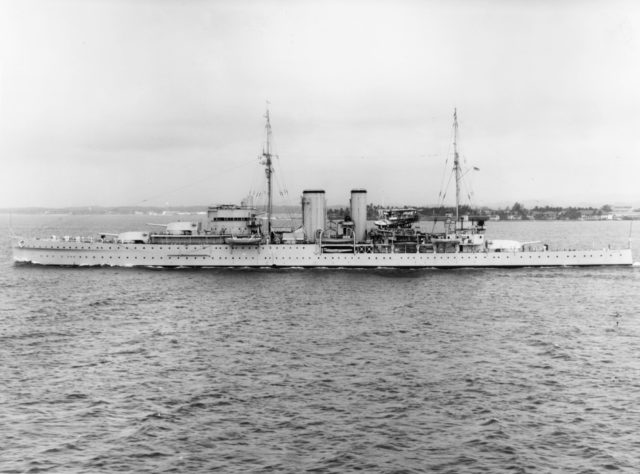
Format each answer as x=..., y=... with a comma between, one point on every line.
x=510, y=245
x=337, y=250
x=131, y=237
x=244, y=240
x=336, y=240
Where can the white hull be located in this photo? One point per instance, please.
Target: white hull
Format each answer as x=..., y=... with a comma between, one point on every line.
x=43, y=252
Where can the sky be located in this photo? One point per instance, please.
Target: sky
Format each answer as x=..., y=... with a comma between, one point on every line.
x=156, y=102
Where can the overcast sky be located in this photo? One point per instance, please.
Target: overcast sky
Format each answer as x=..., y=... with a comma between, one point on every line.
x=147, y=102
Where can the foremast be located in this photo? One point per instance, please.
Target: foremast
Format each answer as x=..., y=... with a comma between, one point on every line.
x=456, y=163
x=268, y=163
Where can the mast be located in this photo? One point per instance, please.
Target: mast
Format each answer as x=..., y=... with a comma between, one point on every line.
x=456, y=162
x=266, y=153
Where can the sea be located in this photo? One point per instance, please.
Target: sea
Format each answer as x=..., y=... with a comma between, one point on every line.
x=225, y=370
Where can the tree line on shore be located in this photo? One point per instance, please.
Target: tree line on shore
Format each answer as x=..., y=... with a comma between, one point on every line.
x=515, y=212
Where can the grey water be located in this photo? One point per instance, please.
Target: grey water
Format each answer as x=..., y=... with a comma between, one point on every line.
x=240, y=370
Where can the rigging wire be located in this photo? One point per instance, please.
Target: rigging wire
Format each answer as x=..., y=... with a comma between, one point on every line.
x=468, y=191
x=64, y=220
x=201, y=180
x=283, y=190
x=12, y=234
x=443, y=189
x=443, y=197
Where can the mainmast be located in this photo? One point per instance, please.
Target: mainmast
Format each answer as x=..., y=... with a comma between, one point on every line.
x=456, y=162
x=266, y=153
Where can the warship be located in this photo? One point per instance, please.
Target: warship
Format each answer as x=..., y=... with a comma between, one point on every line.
x=241, y=236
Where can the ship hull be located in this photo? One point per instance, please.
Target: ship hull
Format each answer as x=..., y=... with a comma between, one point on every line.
x=299, y=255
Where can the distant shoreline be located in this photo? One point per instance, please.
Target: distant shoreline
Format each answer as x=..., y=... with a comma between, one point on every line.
x=516, y=213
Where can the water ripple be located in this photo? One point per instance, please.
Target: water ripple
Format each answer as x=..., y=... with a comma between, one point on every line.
x=232, y=370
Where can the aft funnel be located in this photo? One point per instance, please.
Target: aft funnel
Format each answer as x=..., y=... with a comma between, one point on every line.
x=359, y=213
